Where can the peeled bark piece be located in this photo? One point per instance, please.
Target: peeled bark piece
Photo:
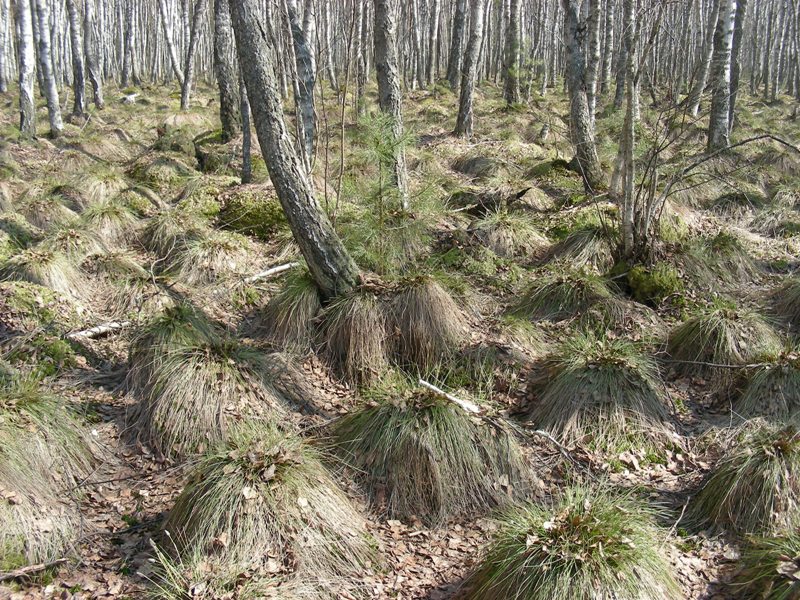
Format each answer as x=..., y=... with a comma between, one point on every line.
x=330, y=265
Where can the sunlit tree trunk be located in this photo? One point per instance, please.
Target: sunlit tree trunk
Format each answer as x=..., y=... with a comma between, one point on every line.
x=78, y=68
x=227, y=71
x=457, y=45
x=701, y=75
x=191, y=53
x=91, y=44
x=174, y=61
x=718, y=125
x=27, y=59
x=46, y=66
x=464, y=122
x=512, y=55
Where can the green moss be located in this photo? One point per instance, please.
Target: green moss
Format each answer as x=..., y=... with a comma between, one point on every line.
x=178, y=139
x=253, y=212
x=653, y=286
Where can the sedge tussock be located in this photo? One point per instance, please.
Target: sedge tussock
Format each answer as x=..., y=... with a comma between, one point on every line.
x=130, y=287
x=562, y=295
x=772, y=391
x=719, y=337
x=591, y=543
x=170, y=230
x=785, y=302
x=207, y=258
x=755, y=486
x=509, y=234
x=590, y=247
x=99, y=184
x=721, y=258
x=287, y=320
x=768, y=568
x=44, y=210
x=267, y=494
x=430, y=457
x=75, y=241
x=47, y=268
x=353, y=337
x=113, y=220
x=605, y=391
x=429, y=324
x=197, y=392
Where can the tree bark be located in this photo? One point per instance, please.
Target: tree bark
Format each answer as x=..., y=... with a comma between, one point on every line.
x=718, y=125
x=736, y=60
x=390, y=97
x=46, y=65
x=330, y=265
x=512, y=55
x=90, y=47
x=174, y=62
x=457, y=45
x=78, y=66
x=247, y=144
x=127, y=60
x=4, y=32
x=464, y=122
x=581, y=122
x=306, y=78
x=593, y=58
x=433, y=42
x=27, y=59
x=608, y=47
x=701, y=77
x=227, y=71
x=191, y=53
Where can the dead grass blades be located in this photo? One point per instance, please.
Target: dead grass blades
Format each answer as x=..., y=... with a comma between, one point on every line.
x=113, y=220
x=562, y=294
x=769, y=568
x=510, y=234
x=785, y=302
x=207, y=258
x=47, y=268
x=773, y=390
x=592, y=543
x=288, y=318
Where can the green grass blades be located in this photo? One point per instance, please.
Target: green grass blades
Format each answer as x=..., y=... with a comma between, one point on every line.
x=509, y=234
x=430, y=457
x=755, y=487
x=602, y=391
x=785, y=302
x=561, y=294
x=591, y=543
x=769, y=568
x=265, y=495
x=287, y=320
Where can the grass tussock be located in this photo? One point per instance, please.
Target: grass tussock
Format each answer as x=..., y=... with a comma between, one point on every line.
x=755, y=487
x=562, y=295
x=287, y=320
x=47, y=268
x=266, y=493
x=353, y=337
x=130, y=287
x=591, y=247
x=769, y=568
x=44, y=210
x=718, y=337
x=429, y=324
x=196, y=392
x=208, y=258
x=429, y=457
x=591, y=543
x=111, y=219
x=721, y=258
x=99, y=184
x=509, y=234
x=602, y=391
x=772, y=391
x=170, y=231
x=785, y=302
x=74, y=242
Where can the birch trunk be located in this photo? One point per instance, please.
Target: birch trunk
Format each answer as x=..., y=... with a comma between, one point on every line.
x=718, y=125
x=78, y=66
x=330, y=265
x=593, y=58
x=127, y=44
x=174, y=62
x=90, y=47
x=390, y=97
x=608, y=47
x=247, y=143
x=306, y=79
x=457, y=45
x=4, y=32
x=227, y=71
x=191, y=53
x=512, y=55
x=46, y=66
x=27, y=60
x=464, y=122
x=736, y=60
x=701, y=76
x=433, y=43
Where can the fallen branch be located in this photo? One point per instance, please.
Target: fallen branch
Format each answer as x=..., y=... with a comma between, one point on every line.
x=561, y=448
x=271, y=272
x=468, y=406
x=30, y=570
x=94, y=332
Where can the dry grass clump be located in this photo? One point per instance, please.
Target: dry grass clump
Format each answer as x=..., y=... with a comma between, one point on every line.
x=112, y=219
x=44, y=210
x=208, y=258
x=755, y=487
x=99, y=184
x=773, y=390
x=353, y=336
x=170, y=231
x=43, y=452
x=785, y=302
x=602, y=391
x=129, y=285
x=74, y=242
x=266, y=493
x=509, y=234
x=47, y=268
x=738, y=203
x=591, y=543
x=718, y=337
x=288, y=318
x=429, y=324
x=590, y=246
x=430, y=457
x=562, y=294
x=776, y=220
x=769, y=568
x=721, y=258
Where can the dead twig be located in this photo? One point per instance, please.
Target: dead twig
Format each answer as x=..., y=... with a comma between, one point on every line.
x=30, y=570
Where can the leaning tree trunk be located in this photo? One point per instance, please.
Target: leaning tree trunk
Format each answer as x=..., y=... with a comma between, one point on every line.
x=27, y=60
x=91, y=43
x=174, y=62
x=46, y=65
x=227, y=71
x=306, y=77
x=718, y=124
x=457, y=45
x=580, y=119
x=465, y=119
x=736, y=61
x=389, y=94
x=191, y=52
x=78, y=67
x=701, y=77
x=330, y=265
x=512, y=55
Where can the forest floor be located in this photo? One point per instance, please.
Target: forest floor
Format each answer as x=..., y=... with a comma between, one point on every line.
x=124, y=502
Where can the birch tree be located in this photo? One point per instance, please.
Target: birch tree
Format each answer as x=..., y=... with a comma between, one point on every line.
x=512, y=55
x=191, y=53
x=27, y=58
x=718, y=124
x=227, y=70
x=78, y=66
x=90, y=48
x=302, y=37
x=464, y=122
x=46, y=65
x=457, y=45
